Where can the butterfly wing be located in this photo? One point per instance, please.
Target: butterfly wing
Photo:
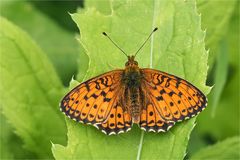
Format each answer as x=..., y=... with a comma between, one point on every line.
x=119, y=121
x=92, y=101
x=171, y=99
x=151, y=120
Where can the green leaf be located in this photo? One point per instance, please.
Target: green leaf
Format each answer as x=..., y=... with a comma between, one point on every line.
x=60, y=45
x=11, y=144
x=227, y=149
x=4, y=141
x=101, y=6
x=31, y=91
x=216, y=16
x=219, y=77
x=177, y=47
x=225, y=123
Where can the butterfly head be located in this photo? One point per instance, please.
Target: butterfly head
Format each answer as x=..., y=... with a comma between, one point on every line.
x=131, y=62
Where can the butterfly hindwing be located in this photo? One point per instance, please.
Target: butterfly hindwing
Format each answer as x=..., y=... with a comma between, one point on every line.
x=150, y=120
x=173, y=98
x=118, y=121
x=92, y=101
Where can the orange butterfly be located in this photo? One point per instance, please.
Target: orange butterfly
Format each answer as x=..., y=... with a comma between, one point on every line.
x=115, y=100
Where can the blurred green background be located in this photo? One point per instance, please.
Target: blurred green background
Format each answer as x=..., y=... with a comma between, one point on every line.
x=220, y=19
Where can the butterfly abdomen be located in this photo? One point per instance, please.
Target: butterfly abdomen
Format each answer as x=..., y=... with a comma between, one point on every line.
x=135, y=107
x=132, y=81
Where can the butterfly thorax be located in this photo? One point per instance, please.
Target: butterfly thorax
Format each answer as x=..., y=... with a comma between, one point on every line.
x=131, y=76
x=131, y=79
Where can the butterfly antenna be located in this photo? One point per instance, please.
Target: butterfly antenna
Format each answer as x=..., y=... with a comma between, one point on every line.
x=155, y=29
x=105, y=34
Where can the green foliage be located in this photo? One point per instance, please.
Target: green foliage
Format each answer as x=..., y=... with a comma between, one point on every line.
x=65, y=52
x=215, y=41
x=225, y=123
x=215, y=19
x=10, y=145
x=222, y=117
x=171, y=44
x=227, y=149
x=219, y=77
x=5, y=136
x=31, y=91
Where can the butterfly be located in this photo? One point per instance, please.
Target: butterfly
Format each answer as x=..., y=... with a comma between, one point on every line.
x=114, y=101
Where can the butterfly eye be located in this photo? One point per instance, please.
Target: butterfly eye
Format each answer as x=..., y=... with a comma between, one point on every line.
x=127, y=64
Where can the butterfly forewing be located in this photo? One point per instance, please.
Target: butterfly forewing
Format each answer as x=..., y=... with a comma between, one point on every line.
x=92, y=101
x=172, y=99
